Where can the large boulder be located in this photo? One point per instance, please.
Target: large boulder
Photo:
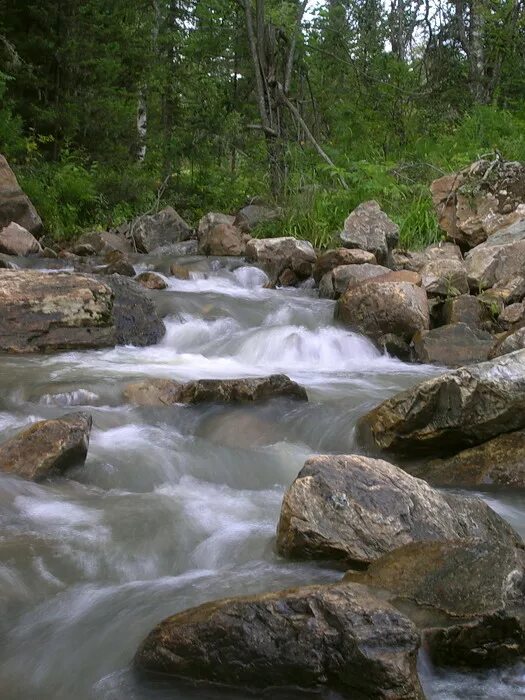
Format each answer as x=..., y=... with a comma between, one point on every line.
x=384, y=306
x=445, y=277
x=499, y=461
x=47, y=448
x=476, y=202
x=499, y=259
x=156, y=230
x=252, y=215
x=104, y=242
x=166, y=392
x=454, y=345
x=336, y=281
x=16, y=240
x=209, y=221
x=465, y=309
x=331, y=259
x=354, y=508
x=417, y=259
x=458, y=409
x=41, y=312
x=369, y=228
x=223, y=239
x=334, y=636
x=283, y=258
x=14, y=204
x=466, y=595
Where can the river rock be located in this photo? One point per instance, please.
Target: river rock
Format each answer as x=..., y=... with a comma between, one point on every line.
x=455, y=410
x=40, y=312
x=103, y=242
x=153, y=231
x=15, y=205
x=285, y=257
x=499, y=259
x=331, y=259
x=466, y=595
x=16, y=240
x=478, y=201
x=512, y=315
x=158, y=392
x=369, y=228
x=453, y=345
x=47, y=448
x=150, y=280
x=384, y=305
x=334, y=636
x=417, y=259
x=212, y=219
x=223, y=239
x=355, y=508
x=445, y=277
x=336, y=281
x=510, y=343
x=179, y=271
x=499, y=461
x=464, y=309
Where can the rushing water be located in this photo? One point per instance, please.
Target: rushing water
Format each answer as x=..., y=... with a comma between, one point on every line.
x=176, y=506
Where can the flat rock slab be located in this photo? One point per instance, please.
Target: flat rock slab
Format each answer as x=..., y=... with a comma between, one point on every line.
x=47, y=448
x=467, y=595
x=158, y=392
x=41, y=312
x=458, y=409
x=337, y=636
x=355, y=509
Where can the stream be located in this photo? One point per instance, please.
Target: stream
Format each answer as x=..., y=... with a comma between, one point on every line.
x=177, y=506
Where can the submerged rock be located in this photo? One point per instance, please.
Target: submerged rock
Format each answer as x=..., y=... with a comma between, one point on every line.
x=150, y=280
x=157, y=392
x=467, y=595
x=16, y=240
x=283, y=259
x=334, y=636
x=15, y=205
x=40, y=312
x=455, y=410
x=354, y=508
x=47, y=448
x=369, y=228
x=498, y=461
x=454, y=345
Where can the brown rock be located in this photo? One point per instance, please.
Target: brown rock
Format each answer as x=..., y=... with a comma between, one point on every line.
x=334, y=636
x=179, y=271
x=16, y=240
x=354, y=508
x=14, y=204
x=150, y=280
x=453, y=345
x=104, y=242
x=455, y=410
x=336, y=281
x=157, y=392
x=512, y=314
x=464, y=309
x=223, y=239
x=47, y=448
x=341, y=256
x=417, y=259
x=446, y=277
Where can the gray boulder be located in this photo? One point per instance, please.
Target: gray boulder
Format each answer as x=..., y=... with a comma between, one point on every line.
x=453, y=345
x=500, y=258
x=369, y=228
x=285, y=260
x=354, y=508
x=458, y=409
x=156, y=230
x=331, y=259
x=16, y=240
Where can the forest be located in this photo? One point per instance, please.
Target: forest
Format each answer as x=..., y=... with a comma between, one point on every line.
x=108, y=109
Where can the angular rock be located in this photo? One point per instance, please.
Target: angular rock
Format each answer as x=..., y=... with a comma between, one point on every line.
x=458, y=409
x=223, y=239
x=336, y=281
x=104, y=242
x=47, y=448
x=510, y=290
x=340, y=256
x=355, y=509
x=464, y=309
x=453, y=345
x=510, y=343
x=369, y=228
x=281, y=255
x=40, y=312
x=511, y=315
x=417, y=259
x=150, y=280
x=153, y=231
x=209, y=221
x=446, y=277
x=14, y=204
x=158, y=392
x=499, y=259
x=479, y=200
x=334, y=636
x=499, y=461
x=16, y=240
x=83, y=249
x=250, y=216
x=467, y=595
x=382, y=306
